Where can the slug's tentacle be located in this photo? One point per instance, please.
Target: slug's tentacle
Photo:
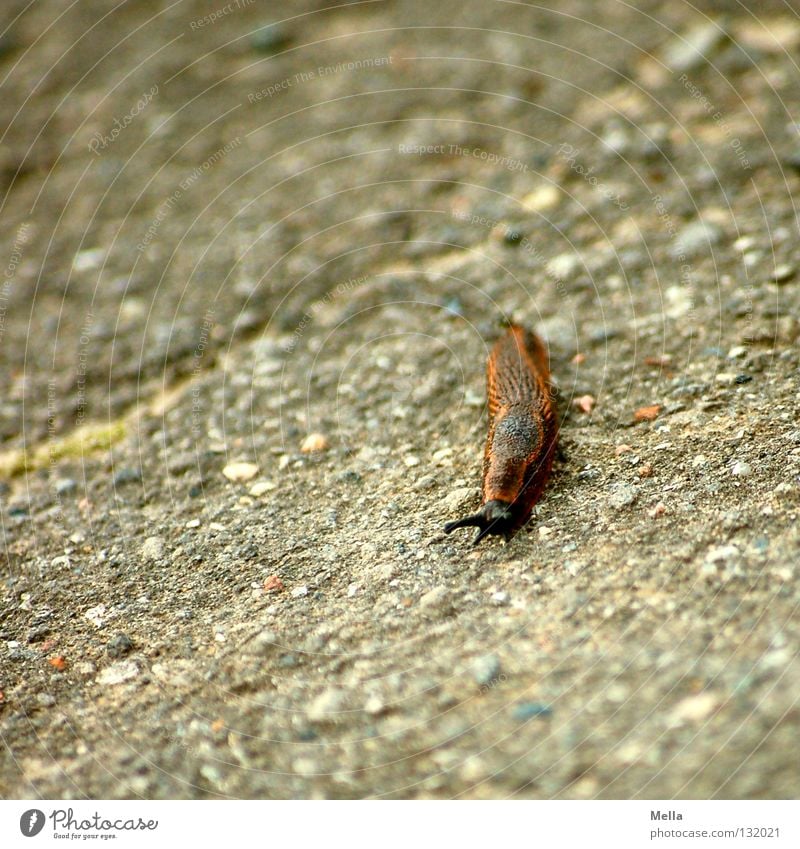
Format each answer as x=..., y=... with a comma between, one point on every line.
x=521, y=441
x=495, y=517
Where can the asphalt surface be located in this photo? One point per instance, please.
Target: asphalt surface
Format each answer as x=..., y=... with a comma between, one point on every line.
x=252, y=272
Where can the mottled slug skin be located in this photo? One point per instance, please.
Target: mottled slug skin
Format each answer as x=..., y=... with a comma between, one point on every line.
x=521, y=442
x=522, y=435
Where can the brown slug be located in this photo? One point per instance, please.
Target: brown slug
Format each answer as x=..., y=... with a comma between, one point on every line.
x=521, y=442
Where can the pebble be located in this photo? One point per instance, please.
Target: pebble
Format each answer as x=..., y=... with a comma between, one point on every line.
x=647, y=414
x=299, y=592
x=425, y=482
x=722, y=554
x=326, y=705
x=500, y=598
x=486, y=669
x=64, y=486
x=458, y=499
x=314, y=443
x=119, y=646
x=777, y=34
x=127, y=475
x=265, y=642
x=118, y=673
x=530, y=710
x=240, y=472
x=96, y=615
x=438, y=597
x=262, y=488
x=374, y=706
x=741, y=469
x=305, y=767
x=563, y=266
x=623, y=496
x=46, y=699
x=745, y=243
x=192, y=524
x=693, y=709
x=784, y=273
x=693, y=48
x=574, y=567
x=152, y=548
x=695, y=238
x=584, y=403
x=89, y=259
x=273, y=584
x=270, y=39
x=545, y=197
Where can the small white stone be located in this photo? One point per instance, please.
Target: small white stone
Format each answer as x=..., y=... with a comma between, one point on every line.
x=563, y=266
x=435, y=597
x=118, y=673
x=693, y=709
x=298, y=592
x=262, y=488
x=87, y=260
x=545, y=197
x=153, y=548
x=722, y=554
x=314, y=443
x=741, y=469
x=96, y=615
x=744, y=244
x=326, y=705
x=240, y=472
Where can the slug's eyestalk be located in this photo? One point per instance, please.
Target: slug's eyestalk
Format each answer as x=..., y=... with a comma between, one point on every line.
x=495, y=517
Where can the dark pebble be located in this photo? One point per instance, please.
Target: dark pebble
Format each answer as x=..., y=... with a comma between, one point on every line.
x=743, y=378
x=18, y=510
x=36, y=635
x=307, y=735
x=195, y=491
x=119, y=646
x=793, y=161
x=512, y=237
x=7, y=45
x=270, y=39
x=530, y=710
x=124, y=476
x=350, y=476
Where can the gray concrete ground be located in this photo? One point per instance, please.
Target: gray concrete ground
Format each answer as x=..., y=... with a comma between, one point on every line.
x=250, y=280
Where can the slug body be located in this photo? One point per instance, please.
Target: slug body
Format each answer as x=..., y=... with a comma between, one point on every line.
x=522, y=435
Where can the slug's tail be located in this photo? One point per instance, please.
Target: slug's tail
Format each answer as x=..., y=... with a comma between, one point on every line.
x=495, y=517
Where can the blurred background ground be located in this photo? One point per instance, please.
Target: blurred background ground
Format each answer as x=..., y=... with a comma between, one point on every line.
x=231, y=237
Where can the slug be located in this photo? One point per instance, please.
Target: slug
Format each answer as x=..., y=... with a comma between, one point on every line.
x=521, y=442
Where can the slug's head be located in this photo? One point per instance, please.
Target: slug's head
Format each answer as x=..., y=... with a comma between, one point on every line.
x=495, y=517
